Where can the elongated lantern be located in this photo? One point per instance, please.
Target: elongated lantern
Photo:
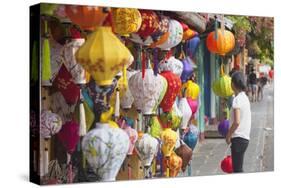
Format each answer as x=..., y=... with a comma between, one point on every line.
x=186, y=112
x=169, y=138
x=192, y=90
x=222, y=86
x=103, y=55
x=105, y=149
x=192, y=46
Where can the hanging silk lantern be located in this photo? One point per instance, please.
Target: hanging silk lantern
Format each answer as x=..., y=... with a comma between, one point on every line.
x=155, y=127
x=220, y=42
x=271, y=74
x=222, y=86
x=226, y=164
x=128, y=99
x=172, y=64
x=126, y=20
x=185, y=153
x=48, y=9
x=150, y=23
x=174, y=164
x=190, y=138
x=168, y=138
x=162, y=34
x=193, y=105
x=192, y=46
x=103, y=55
x=175, y=35
x=189, y=34
x=174, y=86
x=146, y=148
x=133, y=137
x=223, y=127
x=191, y=90
x=105, y=149
x=50, y=124
x=87, y=17
x=173, y=118
x=187, y=69
x=186, y=112
x=148, y=92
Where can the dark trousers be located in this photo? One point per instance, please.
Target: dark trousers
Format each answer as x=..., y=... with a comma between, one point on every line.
x=238, y=148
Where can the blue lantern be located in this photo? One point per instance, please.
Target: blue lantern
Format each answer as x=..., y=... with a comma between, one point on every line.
x=223, y=127
x=191, y=137
x=192, y=46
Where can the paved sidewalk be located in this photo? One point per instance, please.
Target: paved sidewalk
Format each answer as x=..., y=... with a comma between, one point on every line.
x=259, y=155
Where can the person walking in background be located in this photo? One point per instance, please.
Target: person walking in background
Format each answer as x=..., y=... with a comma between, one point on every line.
x=252, y=81
x=262, y=81
x=240, y=119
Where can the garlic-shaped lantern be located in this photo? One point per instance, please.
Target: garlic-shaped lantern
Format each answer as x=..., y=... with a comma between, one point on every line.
x=103, y=55
x=146, y=148
x=172, y=64
x=105, y=149
x=50, y=124
x=186, y=112
x=222, y=85
x=148, y=92
x=168, y=138
x=127, y=99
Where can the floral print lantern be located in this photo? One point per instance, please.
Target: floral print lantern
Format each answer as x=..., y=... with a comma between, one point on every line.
x=174, y=86
x=103, y=55
x=50, y=124
x=222, y=86
x=172, y=64
x=191, y=90
x=162, y=34
x=87, y=17
x=105, y=149
x=126, y=20
x=148, y=92
x=150, y=23
x=175, y=35
x=220, y=42
x=169, y=138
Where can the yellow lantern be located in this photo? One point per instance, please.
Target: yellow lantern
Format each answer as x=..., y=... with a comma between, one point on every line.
x=126, y=20
x=103, y=55
x=174, y=164
x=191, y=90
x=169, y=138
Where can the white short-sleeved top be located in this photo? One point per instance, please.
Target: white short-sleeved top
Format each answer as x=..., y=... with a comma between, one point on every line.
x=241, y=101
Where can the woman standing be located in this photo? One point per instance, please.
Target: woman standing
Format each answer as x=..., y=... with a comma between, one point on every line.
x=240, y=119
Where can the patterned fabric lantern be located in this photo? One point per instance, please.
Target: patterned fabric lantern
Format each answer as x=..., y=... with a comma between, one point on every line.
x=221, y=44
x=126, y=20
x=187, y=69
x=175, y=36
x=172, y=64
x=185, y=153
x=226, y=164
x=193, y=105
x=103, y=55
x=186, y=112
x=192, y=46
x=190, y=139
x=87, y=17
x=148, y=92
x=162, y=34
x=222, y=86
x=150, y=23
x=189, y=34
x=155, y=127
x=146, y=148
x=191, y=90
x=105, y=149
x=169, y=138
x=128, y=99
x=133, y=136
x=50, y=124
x=223, y=127
x=174, y=164
x=174, y=86
x=172, y=119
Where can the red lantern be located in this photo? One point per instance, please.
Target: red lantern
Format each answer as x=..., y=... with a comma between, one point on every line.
x=226, y=164
x=150, y=23
x=87, y=17
x=271, y=74
x=174, y=87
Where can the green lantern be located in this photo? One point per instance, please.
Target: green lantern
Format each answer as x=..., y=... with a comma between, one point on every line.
x=222, y=86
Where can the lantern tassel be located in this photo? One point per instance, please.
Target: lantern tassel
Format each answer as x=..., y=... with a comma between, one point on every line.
x=82, y=117
x=117, y=104
x=46, y=60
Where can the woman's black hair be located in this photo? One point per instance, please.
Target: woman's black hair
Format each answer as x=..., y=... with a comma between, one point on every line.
x=238, y=80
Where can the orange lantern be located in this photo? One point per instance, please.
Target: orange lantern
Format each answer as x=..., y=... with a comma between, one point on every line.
x=221, y=44
x=87, y=17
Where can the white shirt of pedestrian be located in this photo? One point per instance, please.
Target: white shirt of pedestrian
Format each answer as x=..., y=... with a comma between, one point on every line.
x=241, y=102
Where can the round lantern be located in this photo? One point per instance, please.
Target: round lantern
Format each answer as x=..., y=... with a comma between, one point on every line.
x=271, y=74
x=172, y=64
x=223, y=127
x=174, y=164
x=161, y=35
x=186, y=112
x=87, y=17
x=168, y=138
x=50, y=124
x=150, y=23
x=148, y=92
x=185, y=153
x=192, y=46
x=191, y=90
x=155, y=127
x=189, y=34
x=221, y=44
x=127, y=99
x=146, y=148
x=172, y=119
x=175, y=35
x=222, y=86
x=103, y=55
x=187, y=69
x=226, y=164
x=105, y=149
x=193, y=105
x=126, y=20
x=190, y=138
x=174, y=86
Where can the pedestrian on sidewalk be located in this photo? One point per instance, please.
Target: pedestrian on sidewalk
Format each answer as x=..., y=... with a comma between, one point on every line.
x=252, y=83
x=240, y=119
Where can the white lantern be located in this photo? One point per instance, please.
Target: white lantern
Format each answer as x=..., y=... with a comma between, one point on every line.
x=186, y=112
x=172, y=64
x=50, y=124
x=128, y=99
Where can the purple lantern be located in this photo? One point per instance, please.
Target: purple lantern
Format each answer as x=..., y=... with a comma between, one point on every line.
x=223, y=127
x=192, y=45
x=187, y=70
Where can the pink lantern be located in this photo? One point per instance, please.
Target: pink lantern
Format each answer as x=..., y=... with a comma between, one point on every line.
x=133, y=136
x=193, y=105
